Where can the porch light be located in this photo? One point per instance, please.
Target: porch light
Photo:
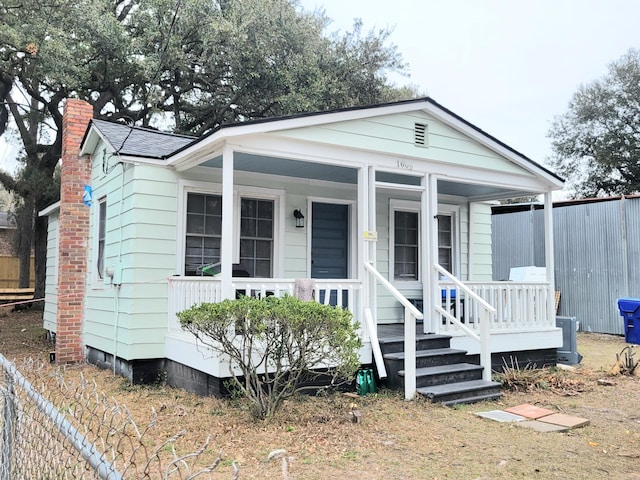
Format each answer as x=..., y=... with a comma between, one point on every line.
x=299, y=218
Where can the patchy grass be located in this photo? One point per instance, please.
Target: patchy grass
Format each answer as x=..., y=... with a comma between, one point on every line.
x=396, y=439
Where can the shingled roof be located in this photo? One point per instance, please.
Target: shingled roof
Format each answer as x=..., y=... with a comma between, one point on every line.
x=140, y=142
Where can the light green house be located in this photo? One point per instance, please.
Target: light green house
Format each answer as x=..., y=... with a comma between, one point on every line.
x=386, y=208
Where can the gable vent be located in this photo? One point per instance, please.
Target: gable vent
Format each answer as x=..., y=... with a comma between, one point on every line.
x=420, y=135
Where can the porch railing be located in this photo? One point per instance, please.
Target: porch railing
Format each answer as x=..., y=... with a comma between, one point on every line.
x=520, y=306
x=480, y=315
x=184, y=292
x=411, y=314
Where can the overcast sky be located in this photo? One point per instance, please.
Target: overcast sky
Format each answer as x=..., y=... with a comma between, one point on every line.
x=507, y=66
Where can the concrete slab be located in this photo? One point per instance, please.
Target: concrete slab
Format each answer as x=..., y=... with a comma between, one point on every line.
x=529, y=411
x=565, y=420
x=541, y=426
x=501, y=416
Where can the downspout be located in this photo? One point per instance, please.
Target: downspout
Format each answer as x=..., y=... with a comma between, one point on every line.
x=117, y=286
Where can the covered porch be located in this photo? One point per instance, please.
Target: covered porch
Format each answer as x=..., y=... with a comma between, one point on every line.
x=388, y=274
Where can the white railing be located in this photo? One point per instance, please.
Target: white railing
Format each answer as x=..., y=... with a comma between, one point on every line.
x=411, y=314
x=184, y=292
x=520, y=306
x=480, y=315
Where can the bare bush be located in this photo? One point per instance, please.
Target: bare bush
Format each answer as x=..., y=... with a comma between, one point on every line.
x=277, y=347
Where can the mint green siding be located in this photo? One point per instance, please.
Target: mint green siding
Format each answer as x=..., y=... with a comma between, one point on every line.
x=394, y=135
x=51, y=280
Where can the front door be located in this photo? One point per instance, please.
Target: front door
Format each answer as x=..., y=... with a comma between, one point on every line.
x=329, y=241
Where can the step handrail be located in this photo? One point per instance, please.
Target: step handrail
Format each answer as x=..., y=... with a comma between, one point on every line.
x=411, y=314
x=485, y=315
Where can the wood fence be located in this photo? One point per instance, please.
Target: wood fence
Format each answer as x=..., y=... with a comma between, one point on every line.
x=10, y=271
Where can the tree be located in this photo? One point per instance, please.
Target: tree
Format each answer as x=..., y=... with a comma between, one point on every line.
x=189, y=64
x=277, y=347
x=596, y=143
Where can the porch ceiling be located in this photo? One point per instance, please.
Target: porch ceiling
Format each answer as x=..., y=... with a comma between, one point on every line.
x=248, y=162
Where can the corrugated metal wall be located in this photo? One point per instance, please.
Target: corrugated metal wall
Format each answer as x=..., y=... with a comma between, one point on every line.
x=597, y=256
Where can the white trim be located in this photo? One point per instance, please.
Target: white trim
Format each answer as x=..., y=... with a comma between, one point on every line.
x=49, y=210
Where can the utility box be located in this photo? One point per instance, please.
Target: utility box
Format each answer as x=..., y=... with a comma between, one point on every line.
x=630, y=311
x=568, y=354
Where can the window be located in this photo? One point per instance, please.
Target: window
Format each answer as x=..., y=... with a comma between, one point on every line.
x=256, y=236
x=406, y=246
x=102, y=224
x=445, y=242
x=203, y=232
x=405, y=240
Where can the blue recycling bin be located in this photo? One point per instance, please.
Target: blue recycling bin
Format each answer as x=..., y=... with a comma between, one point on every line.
x=630, y=311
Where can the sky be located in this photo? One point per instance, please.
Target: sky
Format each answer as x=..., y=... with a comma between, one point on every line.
x=507, y=66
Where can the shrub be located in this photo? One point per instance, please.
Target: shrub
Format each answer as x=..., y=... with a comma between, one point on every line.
x=277, y=347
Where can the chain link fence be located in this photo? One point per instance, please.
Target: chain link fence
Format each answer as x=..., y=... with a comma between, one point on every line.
x=55, y=430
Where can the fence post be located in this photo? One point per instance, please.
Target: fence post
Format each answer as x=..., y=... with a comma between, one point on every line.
x=9, y=421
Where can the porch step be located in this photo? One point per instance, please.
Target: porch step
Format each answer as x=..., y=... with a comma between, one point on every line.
x=394, y=362
x=445, y=374
x=462, y=392
x=427, y=341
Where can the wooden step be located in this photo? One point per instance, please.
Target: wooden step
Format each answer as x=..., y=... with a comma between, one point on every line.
x=423, y=342
x=394, y=362
x=444, y=374
x=462, y=392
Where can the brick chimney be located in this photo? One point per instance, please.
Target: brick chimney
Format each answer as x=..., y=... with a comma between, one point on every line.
x=73, y=233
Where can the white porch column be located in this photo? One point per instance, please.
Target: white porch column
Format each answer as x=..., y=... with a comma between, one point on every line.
x=429, y=245
x=226, y=243
x=362, y=254
x=549, y=255
x=371, y=246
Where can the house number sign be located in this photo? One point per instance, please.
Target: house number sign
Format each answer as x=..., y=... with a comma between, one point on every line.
x=403, y=164
x=370, y=236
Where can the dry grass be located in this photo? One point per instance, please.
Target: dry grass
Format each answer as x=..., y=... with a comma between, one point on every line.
x=396, y=439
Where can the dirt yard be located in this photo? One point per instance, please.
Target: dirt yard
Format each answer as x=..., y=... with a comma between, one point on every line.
x=396, y=439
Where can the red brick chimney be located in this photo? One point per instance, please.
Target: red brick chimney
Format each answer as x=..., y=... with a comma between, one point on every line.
x=73, y=233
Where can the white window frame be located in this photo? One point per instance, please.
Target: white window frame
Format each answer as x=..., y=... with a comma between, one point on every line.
x=98, y=282
x=454, y=212
x=403, y=206
x=240, y=191
x=411, y=206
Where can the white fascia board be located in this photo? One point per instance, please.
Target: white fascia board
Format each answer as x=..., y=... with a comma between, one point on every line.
x=49, y=210
x=488, y=142
x=142, y=160
x=92, y=139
